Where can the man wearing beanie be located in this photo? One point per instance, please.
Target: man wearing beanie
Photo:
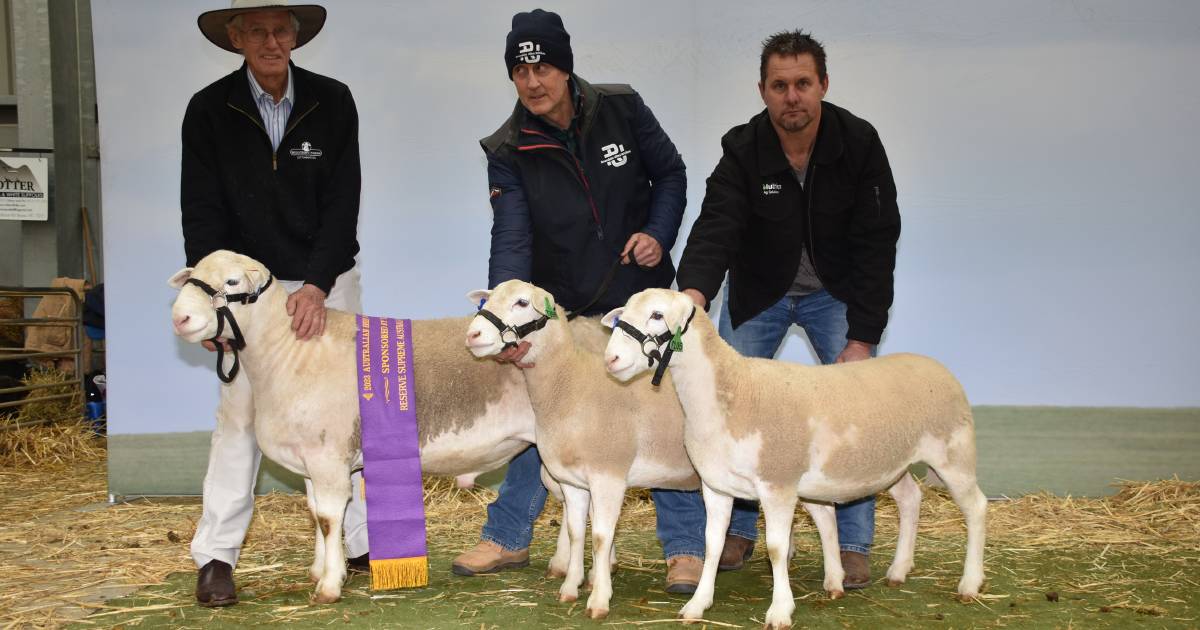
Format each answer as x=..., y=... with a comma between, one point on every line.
x=268, y=173
x=579, y=175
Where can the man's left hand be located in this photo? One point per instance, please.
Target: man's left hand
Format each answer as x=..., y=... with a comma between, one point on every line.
x=307, y=308
x=855, y=351
x=646, y=250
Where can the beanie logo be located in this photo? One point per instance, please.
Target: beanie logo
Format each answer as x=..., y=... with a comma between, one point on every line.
x=615, y=155
x=529, y=52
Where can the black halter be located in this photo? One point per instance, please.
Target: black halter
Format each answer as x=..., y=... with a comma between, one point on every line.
x=223, y=313
x=656, y=342
x=518, y=332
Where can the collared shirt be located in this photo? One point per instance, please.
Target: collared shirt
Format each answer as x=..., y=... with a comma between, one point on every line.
x=274, y=115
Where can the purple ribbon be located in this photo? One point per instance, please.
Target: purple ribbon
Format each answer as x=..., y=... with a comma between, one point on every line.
x=391, y=451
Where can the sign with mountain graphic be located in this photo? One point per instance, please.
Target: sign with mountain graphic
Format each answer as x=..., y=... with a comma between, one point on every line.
x=23, y=188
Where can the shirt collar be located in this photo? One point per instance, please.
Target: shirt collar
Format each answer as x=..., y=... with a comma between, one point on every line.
x=289, y=94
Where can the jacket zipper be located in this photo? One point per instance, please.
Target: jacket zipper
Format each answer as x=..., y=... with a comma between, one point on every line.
x=878, y=206
x=587, y=188
x=257, y=123
x=812, y=256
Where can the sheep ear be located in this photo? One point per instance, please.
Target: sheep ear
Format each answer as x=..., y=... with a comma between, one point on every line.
x=180, y=278
x=478, y=297
x=610, y=319
x=254, y=279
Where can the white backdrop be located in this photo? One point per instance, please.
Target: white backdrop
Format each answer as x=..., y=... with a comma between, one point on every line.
x=1042, y=150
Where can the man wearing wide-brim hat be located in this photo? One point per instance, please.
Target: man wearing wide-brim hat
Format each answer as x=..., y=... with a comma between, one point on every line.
x=271, y=170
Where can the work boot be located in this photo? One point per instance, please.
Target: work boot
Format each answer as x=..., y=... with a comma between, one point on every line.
x=683, y=574
x=737, y=551
x=858, y=570
x=214, y=585
x=488, y=557
x=360, y=564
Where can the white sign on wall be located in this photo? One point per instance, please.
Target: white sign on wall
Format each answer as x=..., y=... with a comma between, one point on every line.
x=23, y=188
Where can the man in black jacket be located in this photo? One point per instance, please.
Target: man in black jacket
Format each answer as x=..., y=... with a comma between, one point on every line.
x=801, y=210
x=271, y=170
x=579, y=174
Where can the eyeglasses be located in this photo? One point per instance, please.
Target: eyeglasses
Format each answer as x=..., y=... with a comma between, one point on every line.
x=258, y=35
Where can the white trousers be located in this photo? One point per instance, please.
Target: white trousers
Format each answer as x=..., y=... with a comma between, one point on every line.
x=234, y=458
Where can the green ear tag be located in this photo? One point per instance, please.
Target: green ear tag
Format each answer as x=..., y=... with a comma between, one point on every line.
x=676, y=344
x=550, y=309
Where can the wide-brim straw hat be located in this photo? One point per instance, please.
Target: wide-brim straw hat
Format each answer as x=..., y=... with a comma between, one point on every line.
x=212, y=23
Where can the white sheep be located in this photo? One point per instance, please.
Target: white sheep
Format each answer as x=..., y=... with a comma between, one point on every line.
x=472, y=416
x=596, y=436
x=769, y=430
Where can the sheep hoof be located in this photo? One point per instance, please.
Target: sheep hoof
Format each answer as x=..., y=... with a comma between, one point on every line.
x=320, y=597
x=892, y=582
x=597, y=613
x=567, y=597
x=837, y=594
x=555, y=573
x=967, y=598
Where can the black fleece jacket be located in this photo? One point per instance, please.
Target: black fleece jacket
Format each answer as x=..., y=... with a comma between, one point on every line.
x=294, y=209
x=756, y=220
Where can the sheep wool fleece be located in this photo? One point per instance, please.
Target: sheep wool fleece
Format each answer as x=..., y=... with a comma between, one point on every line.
x=234, y=458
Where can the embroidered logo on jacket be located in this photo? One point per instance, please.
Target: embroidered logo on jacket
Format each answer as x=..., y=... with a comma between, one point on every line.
x=615, y=155
x=494, y=192
x=772, y=189
x=529, y=52
x=306, y=152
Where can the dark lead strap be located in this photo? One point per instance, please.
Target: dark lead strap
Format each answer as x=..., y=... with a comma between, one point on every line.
x=604, y=284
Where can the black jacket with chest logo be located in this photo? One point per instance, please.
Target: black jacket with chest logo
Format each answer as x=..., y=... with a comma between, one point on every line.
x=756, y=220
x=294, y=209
x=560, y=221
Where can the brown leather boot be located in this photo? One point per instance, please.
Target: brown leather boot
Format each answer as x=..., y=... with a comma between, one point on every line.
x=214, y=585
x=683, y=574
x=858, y=570
x=737, y=551
x=488, y=557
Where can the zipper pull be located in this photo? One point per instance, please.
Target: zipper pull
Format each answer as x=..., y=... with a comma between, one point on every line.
x=274, y=161
x=599, y=232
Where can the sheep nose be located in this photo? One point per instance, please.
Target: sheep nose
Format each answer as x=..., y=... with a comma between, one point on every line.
x=473, y=334
x=613, y=360
x=181, y=320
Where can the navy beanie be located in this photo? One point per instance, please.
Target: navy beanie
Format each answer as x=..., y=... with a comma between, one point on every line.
x=538, y=37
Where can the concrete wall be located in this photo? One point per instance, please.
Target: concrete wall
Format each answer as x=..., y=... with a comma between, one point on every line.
x=1042, y=152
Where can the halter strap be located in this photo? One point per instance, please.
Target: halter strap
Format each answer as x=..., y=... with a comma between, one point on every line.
x=223, y=314
x=519, y=332
x=656, y=343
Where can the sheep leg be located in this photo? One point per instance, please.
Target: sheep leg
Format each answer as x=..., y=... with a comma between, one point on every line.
x=332, y=493
x=778, y=510
x=907, y=495
x=719, y=507
x=318, y=564
x=970, y=499
x=612, y=556
x=562, y=549
x=576, y=501
x=607, y=495
x=825, y=518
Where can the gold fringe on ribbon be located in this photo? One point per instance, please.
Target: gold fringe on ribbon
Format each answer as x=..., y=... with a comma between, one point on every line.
x=394, y=573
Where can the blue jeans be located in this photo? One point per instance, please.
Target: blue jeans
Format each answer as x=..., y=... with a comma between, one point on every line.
x=680, y=515
x=823, y=318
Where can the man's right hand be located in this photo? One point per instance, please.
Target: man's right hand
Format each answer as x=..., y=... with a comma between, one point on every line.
x=514, y=355
x=697, y=297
